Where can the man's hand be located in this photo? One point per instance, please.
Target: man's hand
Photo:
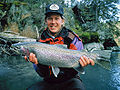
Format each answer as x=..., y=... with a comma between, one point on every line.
x=84, y=61
x=32, y=58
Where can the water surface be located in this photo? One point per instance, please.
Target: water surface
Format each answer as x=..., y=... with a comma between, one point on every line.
x=17, y=74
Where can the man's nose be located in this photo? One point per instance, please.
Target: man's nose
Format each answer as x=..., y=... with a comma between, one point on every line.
x=53, y=20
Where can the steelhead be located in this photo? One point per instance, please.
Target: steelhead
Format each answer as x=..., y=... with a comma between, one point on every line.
x=60, y=56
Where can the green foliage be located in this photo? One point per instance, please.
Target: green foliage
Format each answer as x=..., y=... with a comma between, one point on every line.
x=30, y=13
x=89, y=37
x=2, y=14
x=98, y=15
x=85, y=37
x=27, y=12
x=94, y=37
x=77, y=28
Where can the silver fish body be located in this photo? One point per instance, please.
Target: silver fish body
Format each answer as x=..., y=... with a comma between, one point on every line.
x=58, y=55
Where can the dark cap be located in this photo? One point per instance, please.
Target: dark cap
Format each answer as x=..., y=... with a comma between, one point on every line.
x=54, y=8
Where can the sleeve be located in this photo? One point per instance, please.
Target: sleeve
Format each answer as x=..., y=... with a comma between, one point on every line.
x=42, y=70
x=76, y=44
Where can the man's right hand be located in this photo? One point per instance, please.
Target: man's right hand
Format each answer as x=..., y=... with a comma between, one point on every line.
x=32, y=58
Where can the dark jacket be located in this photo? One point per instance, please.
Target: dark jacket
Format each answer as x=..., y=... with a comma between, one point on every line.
x=72, y=41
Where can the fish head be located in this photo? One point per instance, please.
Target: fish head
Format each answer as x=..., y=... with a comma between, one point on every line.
x=24, y=51
x=19, y=50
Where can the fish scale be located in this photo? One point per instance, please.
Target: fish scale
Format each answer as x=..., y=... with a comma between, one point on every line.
x=60, y=56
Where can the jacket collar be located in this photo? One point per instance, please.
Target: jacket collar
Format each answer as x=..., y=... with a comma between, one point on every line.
x=63, y=33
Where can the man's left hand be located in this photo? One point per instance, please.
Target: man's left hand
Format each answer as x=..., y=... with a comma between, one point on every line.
x=84, y=61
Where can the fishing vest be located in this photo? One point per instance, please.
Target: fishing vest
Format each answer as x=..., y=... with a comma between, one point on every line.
x=65, y=36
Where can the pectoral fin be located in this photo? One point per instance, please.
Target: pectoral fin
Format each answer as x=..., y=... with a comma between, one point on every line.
x=55, y=71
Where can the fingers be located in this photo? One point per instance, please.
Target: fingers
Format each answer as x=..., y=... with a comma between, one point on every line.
x=92, y=62
x=32, y=58
x=25, y=58
x=84, y=61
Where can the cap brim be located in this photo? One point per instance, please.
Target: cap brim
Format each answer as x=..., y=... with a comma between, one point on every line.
x=53, y=12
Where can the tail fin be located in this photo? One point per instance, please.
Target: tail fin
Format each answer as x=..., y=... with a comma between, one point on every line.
x=103, y=58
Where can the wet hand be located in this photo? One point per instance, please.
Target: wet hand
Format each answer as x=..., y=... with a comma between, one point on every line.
x=32, y=58
x=84, y=61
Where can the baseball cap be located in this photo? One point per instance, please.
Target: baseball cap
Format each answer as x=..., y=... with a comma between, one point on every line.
x=54, y=8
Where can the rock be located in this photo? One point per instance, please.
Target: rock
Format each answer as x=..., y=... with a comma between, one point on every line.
x=93, y=46
x=115, y=49
x=14, y=38
x=117, y=40
x=109, y=44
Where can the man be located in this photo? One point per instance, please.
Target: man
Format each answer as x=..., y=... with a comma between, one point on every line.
x=55, y=33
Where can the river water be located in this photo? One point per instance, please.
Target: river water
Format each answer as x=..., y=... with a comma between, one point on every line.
x=17, y=74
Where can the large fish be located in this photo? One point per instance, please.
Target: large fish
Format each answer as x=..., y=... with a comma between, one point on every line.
x=59, y=56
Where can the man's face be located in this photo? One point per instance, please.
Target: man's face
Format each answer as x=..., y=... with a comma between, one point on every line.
x=54, y=23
